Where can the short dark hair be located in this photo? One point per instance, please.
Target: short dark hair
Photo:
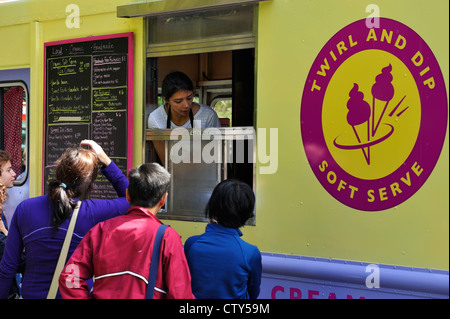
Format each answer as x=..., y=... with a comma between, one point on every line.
x=231, y=203
x=147, y=184
x=174, y=82
x=4, y=157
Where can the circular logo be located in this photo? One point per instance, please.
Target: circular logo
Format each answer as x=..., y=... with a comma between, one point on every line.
x=374, y=115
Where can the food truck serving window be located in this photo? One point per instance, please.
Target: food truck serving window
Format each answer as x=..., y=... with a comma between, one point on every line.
x=215, y=47
x=201, y=31
x=198, y=159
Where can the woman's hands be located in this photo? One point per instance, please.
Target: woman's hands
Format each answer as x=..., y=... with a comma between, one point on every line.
x=97, y=149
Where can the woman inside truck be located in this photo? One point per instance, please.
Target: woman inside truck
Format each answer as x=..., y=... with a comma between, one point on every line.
x=180, y=110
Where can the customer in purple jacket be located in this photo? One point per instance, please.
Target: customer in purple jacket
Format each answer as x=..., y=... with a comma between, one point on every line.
x=40, y=224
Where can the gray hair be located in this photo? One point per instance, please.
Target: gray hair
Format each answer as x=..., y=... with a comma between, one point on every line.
x=148, y=184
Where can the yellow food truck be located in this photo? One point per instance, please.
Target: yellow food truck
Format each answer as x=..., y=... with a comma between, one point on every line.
x=334, y=112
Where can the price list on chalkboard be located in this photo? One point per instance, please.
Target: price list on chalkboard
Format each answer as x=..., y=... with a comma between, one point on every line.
x=87, y=96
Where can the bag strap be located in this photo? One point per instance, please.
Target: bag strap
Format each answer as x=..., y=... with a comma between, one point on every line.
x=155, y=261
x=63, y=255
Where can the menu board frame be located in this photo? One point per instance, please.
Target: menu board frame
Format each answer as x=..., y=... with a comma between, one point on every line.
x=85, y=80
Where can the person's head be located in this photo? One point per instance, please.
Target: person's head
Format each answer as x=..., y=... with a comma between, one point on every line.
x=7, y=174
x=231, y=203
x=178, y=92
x=76, y=170
x=148, y=185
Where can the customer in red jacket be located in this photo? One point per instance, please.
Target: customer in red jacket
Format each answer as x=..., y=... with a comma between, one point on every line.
x=117, y=252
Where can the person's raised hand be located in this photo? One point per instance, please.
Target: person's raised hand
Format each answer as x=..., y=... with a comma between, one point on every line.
x=97, y=149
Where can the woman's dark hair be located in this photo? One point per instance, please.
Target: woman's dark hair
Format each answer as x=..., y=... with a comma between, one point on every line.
x=174, y=82
x=231, y=203
x=147, y=184
x=76, y=170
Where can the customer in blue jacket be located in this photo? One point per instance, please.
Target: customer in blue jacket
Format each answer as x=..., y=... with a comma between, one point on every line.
x=222, y=265
x=40, y=224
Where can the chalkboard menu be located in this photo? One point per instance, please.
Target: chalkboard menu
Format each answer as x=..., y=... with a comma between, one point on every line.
x=89, y=95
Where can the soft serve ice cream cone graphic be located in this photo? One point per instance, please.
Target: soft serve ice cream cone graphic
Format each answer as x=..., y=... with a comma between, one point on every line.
x=383, y=91
x=359, y=114
x=364, y=119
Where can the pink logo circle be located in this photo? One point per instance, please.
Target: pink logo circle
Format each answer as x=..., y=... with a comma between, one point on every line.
x=374, y=115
